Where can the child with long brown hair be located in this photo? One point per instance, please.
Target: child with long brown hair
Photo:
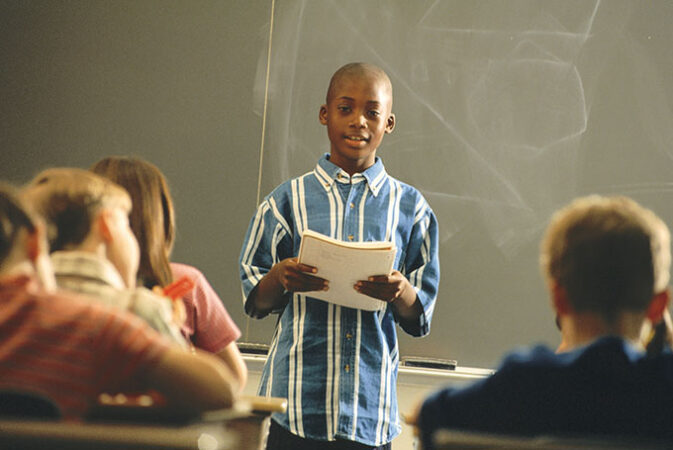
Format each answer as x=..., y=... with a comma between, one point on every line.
x=208, y=325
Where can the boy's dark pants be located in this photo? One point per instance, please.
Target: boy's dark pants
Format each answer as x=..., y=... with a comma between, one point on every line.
x=281, y=439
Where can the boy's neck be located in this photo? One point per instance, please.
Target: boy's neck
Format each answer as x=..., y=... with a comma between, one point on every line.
x=582, y=329
x=352, y=167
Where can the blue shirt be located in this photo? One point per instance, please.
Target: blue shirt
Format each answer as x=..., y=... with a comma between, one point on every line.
x=605, y=388
x=337, y=366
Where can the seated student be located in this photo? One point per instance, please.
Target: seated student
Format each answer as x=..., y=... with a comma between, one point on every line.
x=208, y=325
x=69, y=349
x=93, y=249
x=606, y=263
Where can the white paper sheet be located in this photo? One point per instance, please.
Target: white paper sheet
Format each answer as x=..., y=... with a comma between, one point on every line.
x=343, y=264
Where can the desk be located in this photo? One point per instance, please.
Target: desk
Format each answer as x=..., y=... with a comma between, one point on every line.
x=251, y=426
x=26, y=434
x=447, y=439
x=239, y=428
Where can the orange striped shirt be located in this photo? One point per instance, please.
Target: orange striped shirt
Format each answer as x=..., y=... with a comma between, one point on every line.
x=69, y=348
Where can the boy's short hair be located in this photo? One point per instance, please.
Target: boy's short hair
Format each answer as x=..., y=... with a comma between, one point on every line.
x=13, y=217
x=69, y=199
x=609, y=253
x=358, y=69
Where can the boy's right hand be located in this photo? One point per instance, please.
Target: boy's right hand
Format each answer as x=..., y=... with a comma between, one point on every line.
x=285, y=276
x=296, y=277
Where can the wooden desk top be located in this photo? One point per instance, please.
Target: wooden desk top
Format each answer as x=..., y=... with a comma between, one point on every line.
x=26, y=434
x=121, y=427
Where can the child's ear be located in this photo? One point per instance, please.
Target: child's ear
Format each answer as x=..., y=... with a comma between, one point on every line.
x=559, y=298
x=322, y=115
x=104, y=227
x=390, y=123
x=659, y=303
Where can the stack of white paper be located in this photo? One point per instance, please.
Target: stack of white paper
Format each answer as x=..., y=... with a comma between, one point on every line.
x=345, y=263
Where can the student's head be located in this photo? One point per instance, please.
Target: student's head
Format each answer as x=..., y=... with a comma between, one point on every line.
x=152, y=217
x=22, y=241
x=606, y=256
x=357, y=113
x=86, y=212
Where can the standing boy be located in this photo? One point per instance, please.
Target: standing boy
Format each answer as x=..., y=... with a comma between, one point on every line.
x=337, y=366
x=606, y=262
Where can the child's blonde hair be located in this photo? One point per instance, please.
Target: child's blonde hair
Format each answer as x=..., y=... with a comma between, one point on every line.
x=69, y=199
x=609, y=253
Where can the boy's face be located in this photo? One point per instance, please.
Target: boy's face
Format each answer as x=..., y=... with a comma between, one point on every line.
x=357, y=115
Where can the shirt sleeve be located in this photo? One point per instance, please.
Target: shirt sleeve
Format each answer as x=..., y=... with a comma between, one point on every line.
x=421, y=266
x=267, y=241
x=209, y=324
x=127, y=347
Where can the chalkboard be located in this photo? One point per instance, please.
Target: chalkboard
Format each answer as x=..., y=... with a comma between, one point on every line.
x=506, y=110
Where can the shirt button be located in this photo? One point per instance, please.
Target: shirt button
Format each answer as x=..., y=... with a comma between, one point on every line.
x=349, y=336
x=347, y=368
x=352, y=205
x=350, y=237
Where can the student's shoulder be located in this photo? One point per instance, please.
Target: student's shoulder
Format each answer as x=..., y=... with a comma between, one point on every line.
x=408, y=191
x=85, y=309
x=405, y=186
x=152, y=307
x=181, y=270
x=147, y=297
x=76, y=303
x=538, y=362
x=288, y=188
x=200, y=281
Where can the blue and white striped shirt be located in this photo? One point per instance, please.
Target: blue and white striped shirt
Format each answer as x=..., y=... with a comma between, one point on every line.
x=337, y=366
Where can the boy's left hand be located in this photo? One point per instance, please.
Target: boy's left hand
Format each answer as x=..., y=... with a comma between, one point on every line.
x=396, y=290
x=388, y=288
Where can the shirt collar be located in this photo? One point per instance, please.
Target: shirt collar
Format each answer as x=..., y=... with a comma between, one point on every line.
x=86, y=265
x=632, y=350
x=328, y=172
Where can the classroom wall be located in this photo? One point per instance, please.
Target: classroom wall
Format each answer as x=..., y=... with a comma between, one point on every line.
x=505, y=111
x=170, y=81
